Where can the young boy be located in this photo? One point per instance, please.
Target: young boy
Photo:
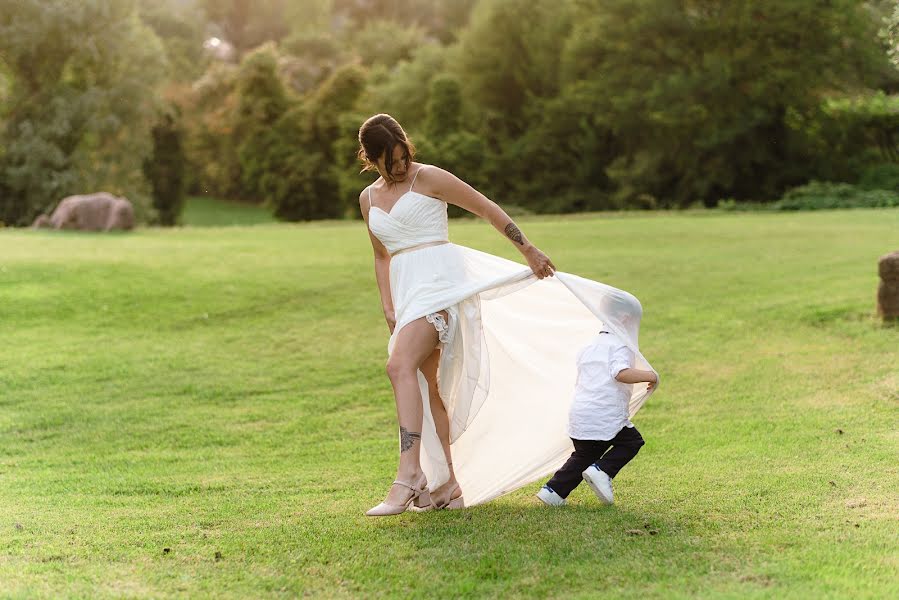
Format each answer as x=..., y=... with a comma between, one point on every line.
x=604, y=438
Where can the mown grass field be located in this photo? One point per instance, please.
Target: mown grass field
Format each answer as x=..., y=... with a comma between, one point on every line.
x=205, y=211
x=203, y=412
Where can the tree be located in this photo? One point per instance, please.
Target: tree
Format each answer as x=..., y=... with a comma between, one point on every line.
x=261, y=102
x=382, y=42
x=704, y=97
x=164, y=169
x=298, y=164
x=446, y=143
x=246, y=24
x=890, y=34
x=508, y=56
x=403, y=90
x=181, y=29
x=77, y=113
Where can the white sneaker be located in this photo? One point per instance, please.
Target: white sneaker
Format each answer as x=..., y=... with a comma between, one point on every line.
x=600, y=483
x=550, y=497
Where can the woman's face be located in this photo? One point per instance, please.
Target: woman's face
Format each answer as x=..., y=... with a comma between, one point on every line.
x=400, y=165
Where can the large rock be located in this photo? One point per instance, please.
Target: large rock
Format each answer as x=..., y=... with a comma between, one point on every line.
x=888, y=290
x=90, y=212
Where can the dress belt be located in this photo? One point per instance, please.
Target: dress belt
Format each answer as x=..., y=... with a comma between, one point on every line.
x=418, y=247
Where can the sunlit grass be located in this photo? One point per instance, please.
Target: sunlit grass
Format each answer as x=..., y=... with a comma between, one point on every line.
x=204, y=211
x=204, y=412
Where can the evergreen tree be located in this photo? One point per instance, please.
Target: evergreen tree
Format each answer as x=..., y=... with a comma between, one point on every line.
x=164, y=169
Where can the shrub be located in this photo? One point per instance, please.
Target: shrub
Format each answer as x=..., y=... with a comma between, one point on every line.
x=819, y=195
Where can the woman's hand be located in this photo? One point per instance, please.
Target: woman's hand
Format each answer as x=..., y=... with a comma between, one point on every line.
x=390, y=316
x=539, y=262
x=653, y=382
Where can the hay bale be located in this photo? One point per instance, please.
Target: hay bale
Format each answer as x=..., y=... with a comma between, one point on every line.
x=888, y=290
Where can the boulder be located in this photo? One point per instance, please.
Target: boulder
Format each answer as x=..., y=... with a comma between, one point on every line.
x=888, y=290
x=90, y=212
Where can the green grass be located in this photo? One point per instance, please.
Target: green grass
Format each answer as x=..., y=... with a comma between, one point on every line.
x=203, y=211
x=221, y=392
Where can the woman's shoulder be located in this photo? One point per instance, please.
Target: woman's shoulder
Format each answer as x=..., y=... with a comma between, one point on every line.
x=429, y=171
x=430, y=179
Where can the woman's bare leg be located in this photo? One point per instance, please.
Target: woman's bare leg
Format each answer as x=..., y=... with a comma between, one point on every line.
x=415, y=342
x=447, y=491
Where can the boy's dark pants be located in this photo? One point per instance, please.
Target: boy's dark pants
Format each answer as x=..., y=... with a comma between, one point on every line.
x=624, y=447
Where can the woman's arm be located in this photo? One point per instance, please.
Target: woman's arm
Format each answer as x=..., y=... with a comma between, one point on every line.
x=449, y=188
x=382, y=267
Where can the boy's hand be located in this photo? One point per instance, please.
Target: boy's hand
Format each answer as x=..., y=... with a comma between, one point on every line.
x=652, y=382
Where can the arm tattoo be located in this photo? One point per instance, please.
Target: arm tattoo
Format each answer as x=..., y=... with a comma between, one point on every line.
x=514, y=233
x=407, y=438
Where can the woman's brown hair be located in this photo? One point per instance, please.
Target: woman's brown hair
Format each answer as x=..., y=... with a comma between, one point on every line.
x=378, y=136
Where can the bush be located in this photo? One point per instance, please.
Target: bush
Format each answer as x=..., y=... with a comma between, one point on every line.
x=823, y=195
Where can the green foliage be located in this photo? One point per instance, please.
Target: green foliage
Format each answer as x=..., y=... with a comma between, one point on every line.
x=440, y=18
x=261, y=102
x=446, y=144
x=552, y=106
x=164, y=169
x=890, y=34
x=823, y=195
x=293, y=181
x=880, y=177
x=208, y=116
x=866, y=121
x=444, y=107
x=246, y=24
x=77, y=115
x=508, y=55
x=347, y=168
x=702, y=96
x=403, y=90
x=561, y=164
x=879, y=188
x=291, y=163
x=387, y=43
x=309, y=58
x=261, y=97
x=180, y=27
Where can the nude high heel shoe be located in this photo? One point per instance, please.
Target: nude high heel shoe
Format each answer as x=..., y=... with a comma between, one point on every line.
x=420, y=497
x=453, y=503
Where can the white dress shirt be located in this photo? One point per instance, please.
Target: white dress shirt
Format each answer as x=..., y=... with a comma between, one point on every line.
x=600, y=407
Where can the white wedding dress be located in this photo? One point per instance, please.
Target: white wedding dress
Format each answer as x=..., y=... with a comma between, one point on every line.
x=507, y=367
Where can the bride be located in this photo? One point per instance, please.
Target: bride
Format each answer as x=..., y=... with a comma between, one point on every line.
x=477, y=347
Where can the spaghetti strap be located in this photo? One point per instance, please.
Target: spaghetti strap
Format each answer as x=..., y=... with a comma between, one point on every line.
x=369, y=197
x=415, y=177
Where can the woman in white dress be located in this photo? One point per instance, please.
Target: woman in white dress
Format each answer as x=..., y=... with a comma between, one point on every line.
x=415, y=346
x=477, y=346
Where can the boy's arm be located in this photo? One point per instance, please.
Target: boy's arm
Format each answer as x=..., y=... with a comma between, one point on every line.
x=630, y=375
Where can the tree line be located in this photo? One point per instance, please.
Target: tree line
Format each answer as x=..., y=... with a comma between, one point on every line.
x=546, y=106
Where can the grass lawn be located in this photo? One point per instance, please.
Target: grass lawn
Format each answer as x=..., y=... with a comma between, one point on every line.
x=203, y=412
x=203, y=211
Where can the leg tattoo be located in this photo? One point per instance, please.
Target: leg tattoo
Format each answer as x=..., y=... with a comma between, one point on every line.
x=407, y=438
x=514, y=233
